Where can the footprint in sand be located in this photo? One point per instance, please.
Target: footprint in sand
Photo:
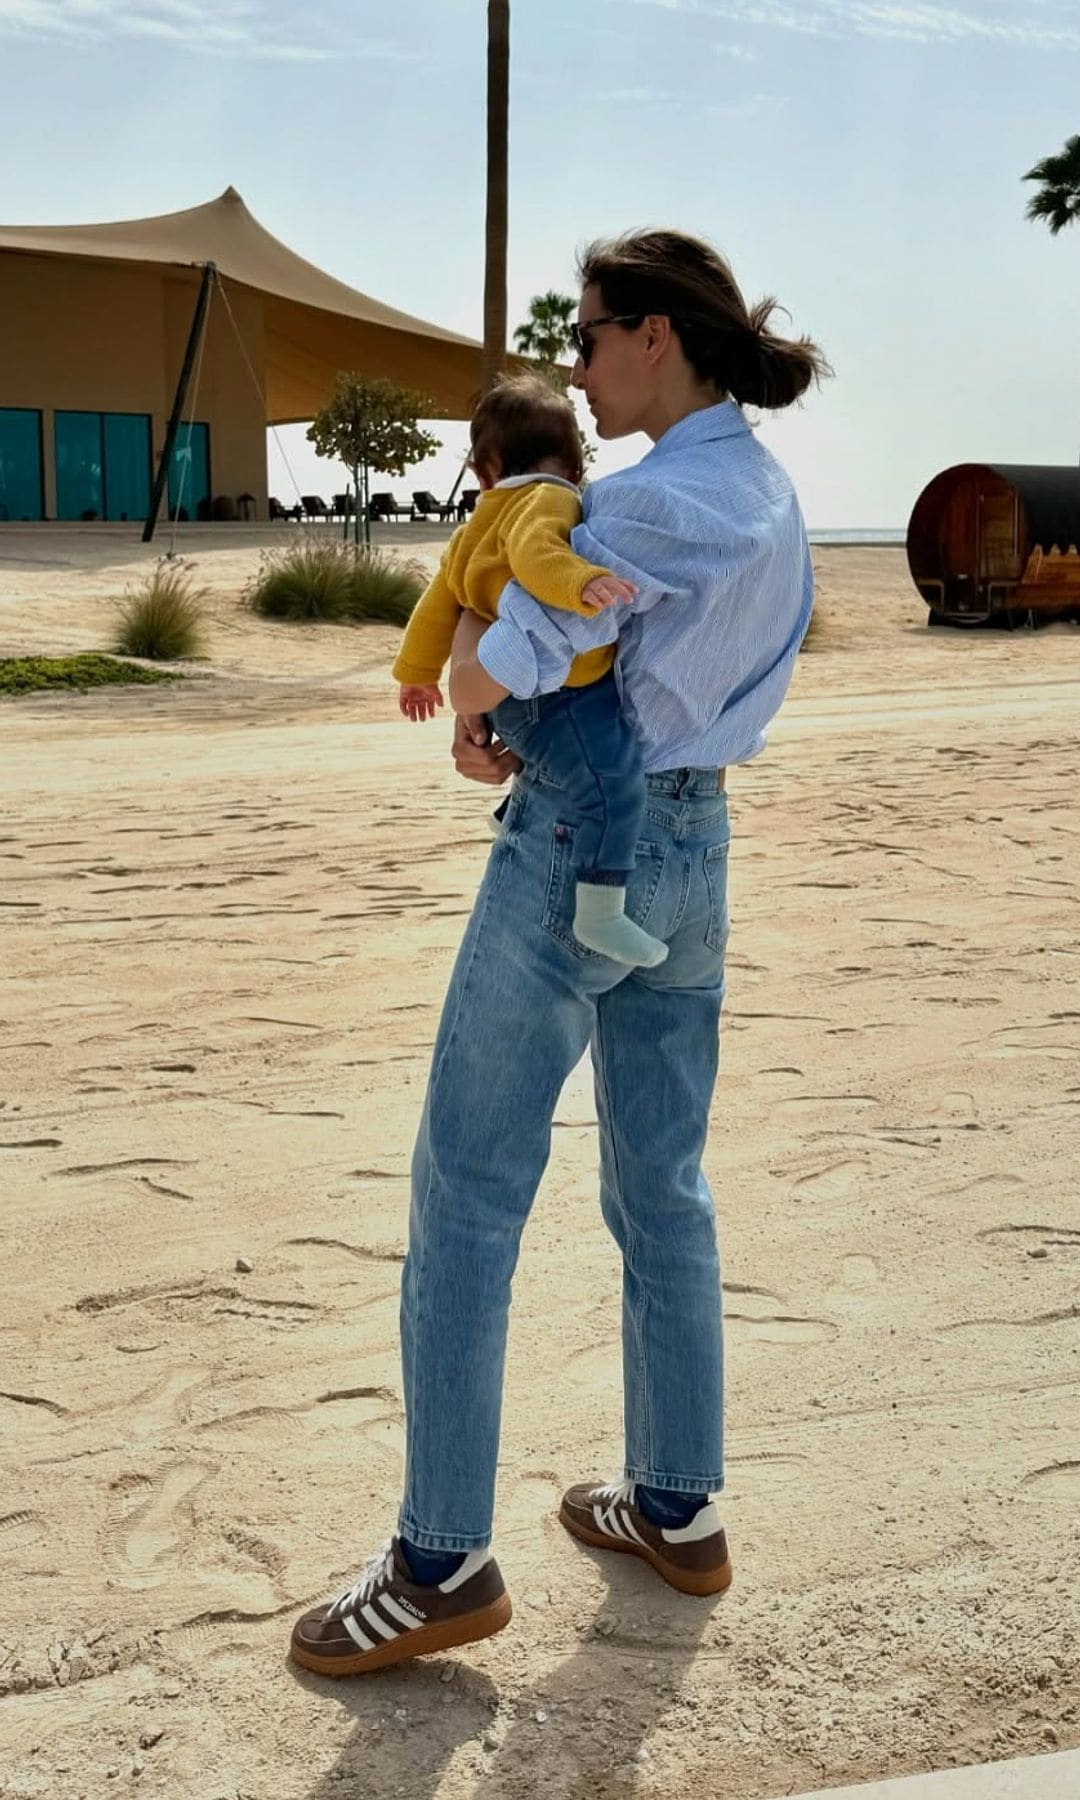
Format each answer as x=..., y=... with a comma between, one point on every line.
x=531, y=1508
x=1058, y=1481
x=830, y=1185
x=18, y=1529
x=143, y=1542
x=231, y=1630
x=860, y=1273
x=781, y=1328
x=767, y=1468
x=1039, y=1242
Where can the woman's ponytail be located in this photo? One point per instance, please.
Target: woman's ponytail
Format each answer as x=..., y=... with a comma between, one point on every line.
x=725, y=342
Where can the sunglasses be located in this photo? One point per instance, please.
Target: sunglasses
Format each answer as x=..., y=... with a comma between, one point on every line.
x=581, y=338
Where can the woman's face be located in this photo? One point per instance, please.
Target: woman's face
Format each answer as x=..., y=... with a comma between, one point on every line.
x=617, y=383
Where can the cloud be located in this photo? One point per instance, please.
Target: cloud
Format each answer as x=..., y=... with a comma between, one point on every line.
x=927, y=23
x=739, y=52
x=245, y=28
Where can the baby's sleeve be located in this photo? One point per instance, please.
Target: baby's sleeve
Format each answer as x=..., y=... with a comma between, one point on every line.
x=425, y=648
x=538, y=549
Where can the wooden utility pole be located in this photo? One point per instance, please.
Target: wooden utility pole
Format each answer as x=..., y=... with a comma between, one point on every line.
x=495, y=236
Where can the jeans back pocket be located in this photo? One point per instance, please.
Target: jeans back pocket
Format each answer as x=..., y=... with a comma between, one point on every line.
x=560, y=899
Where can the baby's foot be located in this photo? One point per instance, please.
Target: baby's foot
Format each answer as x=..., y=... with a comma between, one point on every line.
x=601, y=924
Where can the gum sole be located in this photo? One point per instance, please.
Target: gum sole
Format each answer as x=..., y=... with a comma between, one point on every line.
x=426, y=1640
x=688, y=1581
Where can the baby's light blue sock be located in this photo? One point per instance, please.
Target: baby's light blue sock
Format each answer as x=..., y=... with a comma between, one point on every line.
x=600, y=923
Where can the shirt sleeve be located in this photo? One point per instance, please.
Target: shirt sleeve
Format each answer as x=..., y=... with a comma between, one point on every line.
x=529, y=649
x=425, y=648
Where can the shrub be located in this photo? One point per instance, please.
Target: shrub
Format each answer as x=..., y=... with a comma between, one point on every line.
x=385, y=590
x=162, y=620
x=327, y=580
x=30, y=674
x=307, y=581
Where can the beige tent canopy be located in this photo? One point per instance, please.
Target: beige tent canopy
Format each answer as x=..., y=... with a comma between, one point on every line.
x=313, y=325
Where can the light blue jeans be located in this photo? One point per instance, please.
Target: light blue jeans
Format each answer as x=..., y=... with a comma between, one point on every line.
x=524, y=1001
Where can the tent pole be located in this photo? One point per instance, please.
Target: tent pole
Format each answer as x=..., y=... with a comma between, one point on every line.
x=197, y=323
x=457, y=484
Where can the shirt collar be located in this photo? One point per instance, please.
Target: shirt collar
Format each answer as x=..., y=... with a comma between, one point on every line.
x=516, y=481
x=726, y=419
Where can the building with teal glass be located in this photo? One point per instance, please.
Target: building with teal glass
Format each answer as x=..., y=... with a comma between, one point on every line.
x=97, y=321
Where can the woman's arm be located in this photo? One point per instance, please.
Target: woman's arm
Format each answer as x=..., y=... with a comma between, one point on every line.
x=472, y=689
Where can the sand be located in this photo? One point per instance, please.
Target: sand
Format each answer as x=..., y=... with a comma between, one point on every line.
x=228, y=910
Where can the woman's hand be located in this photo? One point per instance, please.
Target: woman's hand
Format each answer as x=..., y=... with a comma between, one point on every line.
x=477, y=755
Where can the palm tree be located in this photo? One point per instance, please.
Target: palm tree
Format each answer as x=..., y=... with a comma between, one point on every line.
x=1058, y=199
x=545, y=334
x=498, y=116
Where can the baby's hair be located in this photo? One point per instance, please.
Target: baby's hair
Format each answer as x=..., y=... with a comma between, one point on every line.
x=521, y=422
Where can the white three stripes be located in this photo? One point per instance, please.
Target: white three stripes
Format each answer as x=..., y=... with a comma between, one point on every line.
x=377, y=1623
x=616, y=1522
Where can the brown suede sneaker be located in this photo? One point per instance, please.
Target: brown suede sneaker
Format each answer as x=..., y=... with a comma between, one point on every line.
x=388, y=1617
x=694, y=1559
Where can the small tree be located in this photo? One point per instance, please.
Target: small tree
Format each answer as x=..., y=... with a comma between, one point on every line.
x=372, y=424
x=545, y=334
x=1058, y=198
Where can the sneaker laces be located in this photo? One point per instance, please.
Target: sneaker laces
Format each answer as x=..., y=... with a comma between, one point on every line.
x=377, y=1570
x=617, y=1492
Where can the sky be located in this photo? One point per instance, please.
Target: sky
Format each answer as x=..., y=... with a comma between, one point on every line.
x=858, y=159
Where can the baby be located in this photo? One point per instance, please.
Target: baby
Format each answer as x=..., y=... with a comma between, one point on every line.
x=527, y=456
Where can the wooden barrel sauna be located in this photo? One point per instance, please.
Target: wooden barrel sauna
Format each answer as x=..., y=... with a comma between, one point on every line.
x=997, y=542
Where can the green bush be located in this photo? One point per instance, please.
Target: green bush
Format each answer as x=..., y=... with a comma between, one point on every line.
x=307, y=581
x=385, y=590
x=30, y=674
x=162, y=620
x=330, y=580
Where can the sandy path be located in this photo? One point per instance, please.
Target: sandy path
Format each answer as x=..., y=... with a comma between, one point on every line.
x=227, y=914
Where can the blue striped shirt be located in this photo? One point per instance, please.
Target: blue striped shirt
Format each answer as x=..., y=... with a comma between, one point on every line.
x=708, y=526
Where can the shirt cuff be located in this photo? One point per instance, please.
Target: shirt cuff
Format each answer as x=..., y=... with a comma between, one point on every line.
x=509, y=659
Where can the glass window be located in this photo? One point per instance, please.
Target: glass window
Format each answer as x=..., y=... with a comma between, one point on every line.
x=189, y=474
x=20, y=463
x=80, y=470
x=127, y=465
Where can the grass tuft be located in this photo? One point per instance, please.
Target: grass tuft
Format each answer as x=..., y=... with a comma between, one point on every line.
x=162, y=620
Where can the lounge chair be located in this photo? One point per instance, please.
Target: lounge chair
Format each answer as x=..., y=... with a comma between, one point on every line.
x=277, y=511
x=342, y=506
x=467, y=502
x=425, y=503
x=314, y=506
x=384, y=506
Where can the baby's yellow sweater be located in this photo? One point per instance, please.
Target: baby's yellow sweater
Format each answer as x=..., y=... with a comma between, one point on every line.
x=520, y=532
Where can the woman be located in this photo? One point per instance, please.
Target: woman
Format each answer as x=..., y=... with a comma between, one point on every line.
x=708, y=528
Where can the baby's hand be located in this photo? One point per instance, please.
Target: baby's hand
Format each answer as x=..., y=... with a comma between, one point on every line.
x=419, y=702
x=607, y=590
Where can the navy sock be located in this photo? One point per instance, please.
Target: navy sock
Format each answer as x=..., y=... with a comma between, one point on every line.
x=429, y=1567
x=666, y=1509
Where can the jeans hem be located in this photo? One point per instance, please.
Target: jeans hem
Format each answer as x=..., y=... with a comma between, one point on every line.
x=449, y=1541
x=677, y=1484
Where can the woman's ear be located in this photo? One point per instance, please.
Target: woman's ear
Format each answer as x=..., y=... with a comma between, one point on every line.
x=658, y=335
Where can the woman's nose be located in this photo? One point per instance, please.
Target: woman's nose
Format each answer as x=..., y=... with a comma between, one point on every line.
x=577, y=373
